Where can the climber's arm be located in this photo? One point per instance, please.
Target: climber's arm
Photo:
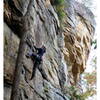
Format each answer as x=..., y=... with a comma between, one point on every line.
x=37, y=48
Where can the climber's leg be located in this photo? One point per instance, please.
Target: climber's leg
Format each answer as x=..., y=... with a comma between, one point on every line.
x=42, y=72
x=34, y=70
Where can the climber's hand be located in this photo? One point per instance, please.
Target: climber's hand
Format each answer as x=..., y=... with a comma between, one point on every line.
x=28, y=55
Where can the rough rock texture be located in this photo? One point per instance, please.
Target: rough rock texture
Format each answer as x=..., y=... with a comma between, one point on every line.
x=78, y=33
x=11, y=43
x=67, y=49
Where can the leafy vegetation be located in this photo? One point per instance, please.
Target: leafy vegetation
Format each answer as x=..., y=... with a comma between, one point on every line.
x=58, y=2
x=59, y=5
x=60, y=12
x=89, y=80
x=77, y=95
x=94, y=43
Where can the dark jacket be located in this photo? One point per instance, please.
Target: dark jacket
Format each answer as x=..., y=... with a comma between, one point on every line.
x=40, y=51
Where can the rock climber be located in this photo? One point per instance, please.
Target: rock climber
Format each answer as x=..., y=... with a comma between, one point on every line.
x=37, y=57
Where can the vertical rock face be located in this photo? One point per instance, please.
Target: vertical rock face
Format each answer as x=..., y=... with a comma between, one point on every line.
x=66, y=51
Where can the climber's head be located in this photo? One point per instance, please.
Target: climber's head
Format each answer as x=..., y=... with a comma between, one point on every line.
x=43, y=47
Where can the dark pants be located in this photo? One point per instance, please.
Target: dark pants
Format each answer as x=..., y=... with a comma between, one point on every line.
x=40, y=68
x=36, y=57
x=38, y=64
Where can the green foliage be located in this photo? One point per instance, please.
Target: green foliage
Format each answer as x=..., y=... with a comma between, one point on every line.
x=60, y=12
x=87, y=94
x=59, y=5
x=90, y=78
x=76, y=95
x=94, y=43
x=58, y=2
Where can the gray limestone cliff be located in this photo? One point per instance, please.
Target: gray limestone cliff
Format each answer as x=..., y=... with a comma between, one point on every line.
x=67, y=49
